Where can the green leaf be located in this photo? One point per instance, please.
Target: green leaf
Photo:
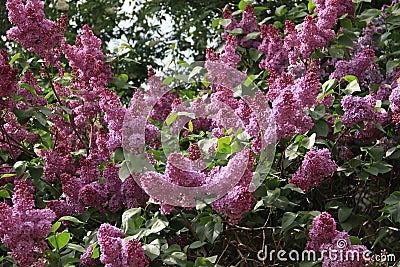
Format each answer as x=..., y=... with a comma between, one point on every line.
x=215, y=23
x=252, y=36
x=6, y=175
x=95, y=252
x=70, y=219
x=318, y=112
x=196, y=70
x=14, y=58
x=203, y=262
x=291, y=151
x=76, y=248
x=206, y=144
x=390, y=65
x=55, y=226
x=394, y=205
x=157, y=224
x=23, y=115
x=394, y=198
x=59, y=241
x=224, y=145
x=336, y=53
x=311, y=6
x=369, y=15
x=225, y=22
x=352, y=87
x=152, y=250
x=382, y=233
x=280, y=11
x=197, y=244
x=355, y=240
x=350, y=78
x=308, y=142
x=168, y=80
x=131, y=220
x=287, y=220
x=254, y=54
x=321, y=128
x=371, y=170
x=124, y=172
x=344, y=213
x=175, y=259
x=29, y=88
x=212, y=230
x=236, y=31
x=4, y=193
x=328, y=85
x=20, y=167
x=242, y=4
x=394, y=20
x=190, y=126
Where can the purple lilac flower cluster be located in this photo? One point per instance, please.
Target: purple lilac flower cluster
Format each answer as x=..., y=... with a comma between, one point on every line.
x=87, y=260
x=95, y=117
x=325, y=238
x=394, y=99
x=248, y=24
x=362, y=109
x=290, y=98
x=316, y=166
x=356, y=66
x=8, y=83
x=34, y=32
x=23, y=220
x=115, y=252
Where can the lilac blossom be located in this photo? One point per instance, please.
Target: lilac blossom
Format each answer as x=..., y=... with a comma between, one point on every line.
x=87, y=60
x=33, y=31
x=8, y=82
x=24, y=220
x=325, y=238
x=276, y=56
x=115, y=253
x=357, y=66
x=316, y=166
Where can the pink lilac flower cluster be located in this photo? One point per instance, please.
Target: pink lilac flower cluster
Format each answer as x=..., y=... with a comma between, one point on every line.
x=315, y=33
x=36, y=99
x=316, y=166
x=14, y=134
x=163, y=100
x=276, y=56
x=95, y=126
x=23, y=220
x=239, y=200
x=394, y=99
x=8, y=82
x=87, y=260
x=325, y=238
x=362, y=109
x=88, y=191
x=328, y=11
x=87, y=60
x=36, y=33
x=289, y=100
x=122, y=194
x=357, y=66
x=115, y=252
x=248, y=24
